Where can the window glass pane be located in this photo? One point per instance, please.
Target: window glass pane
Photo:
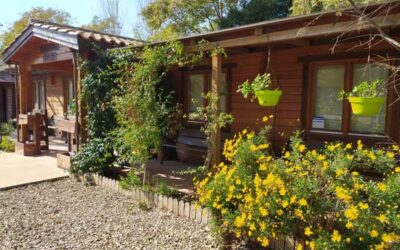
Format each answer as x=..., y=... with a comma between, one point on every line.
x=327, y=108
x=36, y=93
x=196, y=89
x=366, y=124
x=42, y=96
x=70, y=94
x=224, y=93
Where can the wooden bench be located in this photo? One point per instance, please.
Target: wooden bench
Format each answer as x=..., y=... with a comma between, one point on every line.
x=190, y=145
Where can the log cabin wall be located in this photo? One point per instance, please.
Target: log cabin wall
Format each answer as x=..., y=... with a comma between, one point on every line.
x=290, y=74
x=55, y=96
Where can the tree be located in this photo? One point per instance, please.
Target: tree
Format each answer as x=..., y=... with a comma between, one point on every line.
x=171, y=18
x=109, y=20
x=302, y=7
x=252, y=11
x=49, y=14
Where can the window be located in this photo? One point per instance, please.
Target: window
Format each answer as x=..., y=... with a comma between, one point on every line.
x=328, y=110
x=328, y=113
x=199, y=83
x=39, y=94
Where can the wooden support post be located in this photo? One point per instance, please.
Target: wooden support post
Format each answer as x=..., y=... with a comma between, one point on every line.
x=24, y=79
x=216, y=74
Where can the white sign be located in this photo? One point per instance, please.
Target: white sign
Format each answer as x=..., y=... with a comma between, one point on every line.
x=318, y=122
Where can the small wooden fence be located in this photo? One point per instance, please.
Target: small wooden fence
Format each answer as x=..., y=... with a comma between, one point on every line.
x=181, y=208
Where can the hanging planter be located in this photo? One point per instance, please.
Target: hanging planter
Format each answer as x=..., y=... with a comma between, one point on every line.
x=268, y=98
x=366, y=106
x=260, y=88
x=366, y=98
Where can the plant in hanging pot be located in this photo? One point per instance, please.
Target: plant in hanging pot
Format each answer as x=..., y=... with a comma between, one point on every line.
x=260, y=87
x=366, y=98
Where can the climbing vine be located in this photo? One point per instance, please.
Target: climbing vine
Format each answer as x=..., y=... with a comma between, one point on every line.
x=144, y=108
x=99, y=86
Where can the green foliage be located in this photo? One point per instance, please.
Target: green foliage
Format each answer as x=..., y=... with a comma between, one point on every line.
x=144, y=109
x=302, y=7
x=164, y=189
x=6, y=144
x=214, y=120
x=252, y=11
x=6, y=129
x=96, y=155
x=99, y=87
x=254, y=195
x=47, y=14
x=376, y=88
x=261, y=82
x=130, y=181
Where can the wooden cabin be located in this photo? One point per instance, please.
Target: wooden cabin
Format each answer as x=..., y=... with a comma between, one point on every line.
x=7, y=94
x=46, y=56
x=310, y=68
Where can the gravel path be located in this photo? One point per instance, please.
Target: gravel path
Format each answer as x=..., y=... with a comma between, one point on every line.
x=68, y=215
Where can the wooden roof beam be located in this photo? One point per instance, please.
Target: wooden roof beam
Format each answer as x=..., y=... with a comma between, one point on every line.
x=299, y=33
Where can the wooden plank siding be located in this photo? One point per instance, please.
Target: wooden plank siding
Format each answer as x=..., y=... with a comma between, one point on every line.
x=290, y=73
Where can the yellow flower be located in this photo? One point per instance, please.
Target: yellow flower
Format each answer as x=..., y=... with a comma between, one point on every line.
x=342, y=194
x=388, y=238
x=349, y=146
x=264, y=241
x=390, y=155
x=359, y=145
x=336, y=237
x=282, y=191
x=374, y=233
x=240, y=220
x=363, y=205
x=312, y=245
x=298, y=213
x=279, y=212
x=265, y=119
x=382, y=218
x=287, y=155
x=263, y=211
x=351, y=213
x=340, y=172
x=299, y=247
x=372, y=156
x=285, y=204
x=303, y=202
x=381, y=186
x=253, y=148
x=293, y=199
x=349, y=225
x=308, y=231
x=397, y=170
x=301, y=148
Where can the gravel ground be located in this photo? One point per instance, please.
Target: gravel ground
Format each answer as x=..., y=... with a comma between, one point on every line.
x=68, y=215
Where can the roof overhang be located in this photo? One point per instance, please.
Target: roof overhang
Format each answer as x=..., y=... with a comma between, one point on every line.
x=68, y=40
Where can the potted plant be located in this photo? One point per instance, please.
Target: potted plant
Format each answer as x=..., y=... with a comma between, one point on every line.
x=366, y=98
x=260, y=87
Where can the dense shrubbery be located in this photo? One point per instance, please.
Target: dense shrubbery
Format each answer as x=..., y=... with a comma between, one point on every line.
x=99, y=87
x=319, y=196
x=6, y=144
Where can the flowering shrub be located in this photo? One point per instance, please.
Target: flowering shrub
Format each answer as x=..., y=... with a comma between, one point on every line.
x=319, y=196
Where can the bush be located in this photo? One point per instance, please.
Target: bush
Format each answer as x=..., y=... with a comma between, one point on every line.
x=95, y=157
x=6, y=129
x=131, y=181
x=165, y=190
x=7, y=145
x=318, y=196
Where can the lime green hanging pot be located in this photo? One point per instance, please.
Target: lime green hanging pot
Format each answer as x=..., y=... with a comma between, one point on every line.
x=268, y=98
x=366, y=106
